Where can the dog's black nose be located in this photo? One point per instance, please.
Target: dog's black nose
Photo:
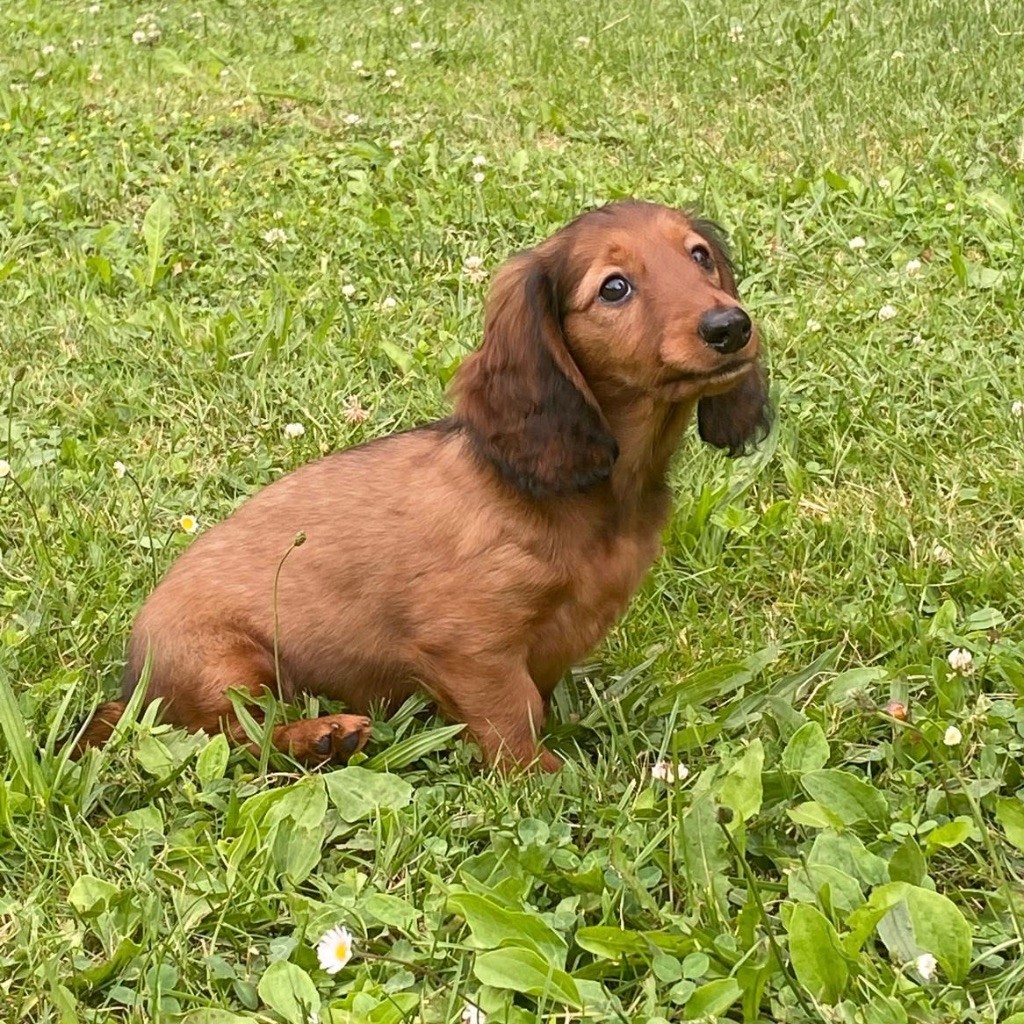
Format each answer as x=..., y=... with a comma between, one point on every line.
x=725, y=330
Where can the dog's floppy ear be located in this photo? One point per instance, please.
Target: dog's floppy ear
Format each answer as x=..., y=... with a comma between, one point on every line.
x=525, y=403
x=740, y=418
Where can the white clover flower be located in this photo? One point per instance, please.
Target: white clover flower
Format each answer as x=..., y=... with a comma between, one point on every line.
x=388, y=303
x=912, y=267
x=334, y=949
x=473, y=268
x=396, y=145
x=884, y=183
x=119, y=470
x=942, y=555
x=926, y=965
x=352, y=119
x=95, y=75
x=138, y=37
x=735, y=32
x=348, y=290
x=950, y=207
x=48, y=49
x=188, y=523
x=813, y=326
x=479, y=177
x=961, y=660
x=390, y=73
x=416, y=44
x=275, y=236
x=952, y=737
x=857, y=243
x=896, y=55
x=1017, y=409
x=479, y=160
x=77, y=44
x=398, y=11
x=5, y=468
x=668, y=771
x=583, y=42
x=472, y=1014
x=93, y=8
x=887, y=312
x=293, y=430
x=153, y=36
x=352, y=410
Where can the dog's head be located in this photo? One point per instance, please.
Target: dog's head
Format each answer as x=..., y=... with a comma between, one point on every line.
x=632, y=299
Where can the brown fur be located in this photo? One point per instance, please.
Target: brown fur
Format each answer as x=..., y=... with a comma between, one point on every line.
x=479, y=557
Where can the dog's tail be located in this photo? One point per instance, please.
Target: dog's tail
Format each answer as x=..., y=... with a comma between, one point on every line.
x=99, y=728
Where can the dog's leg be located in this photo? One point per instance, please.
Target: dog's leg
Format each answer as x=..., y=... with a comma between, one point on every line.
x=503, y=711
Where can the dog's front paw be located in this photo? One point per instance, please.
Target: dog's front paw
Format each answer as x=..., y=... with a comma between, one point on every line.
x=332, y=738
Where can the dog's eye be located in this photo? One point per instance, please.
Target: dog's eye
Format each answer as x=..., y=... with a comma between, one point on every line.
x=615, y=289
x=702, y=257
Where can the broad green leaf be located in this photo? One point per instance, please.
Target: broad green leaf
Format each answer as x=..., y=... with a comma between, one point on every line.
x=703, y=847
x=1010, y=815
x=90, y=895
x=358, y=793
x=845, y=851
x=953, y=833
x=213, y=759
x=907, y=864
x=884, y=1010
x=614, y=943
x=806, y=884
x=156, y=225
x=391, y=910
x=289, y=991
x=741, y=789
x=811, y=814
x=412, y=748
x=207, y=1016
x=713, y=999
x=526, y=971
x=492, y=926
x=816, y=954
x=848, y=797
x=807, y=749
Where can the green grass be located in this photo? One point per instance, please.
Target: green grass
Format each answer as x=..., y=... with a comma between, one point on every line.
x=817, y=846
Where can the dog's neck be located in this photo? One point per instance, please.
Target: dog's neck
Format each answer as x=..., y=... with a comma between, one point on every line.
x=648, y=431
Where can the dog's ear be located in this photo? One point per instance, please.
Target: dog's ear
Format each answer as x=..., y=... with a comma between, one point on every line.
x=740, y=418
x=525, y=403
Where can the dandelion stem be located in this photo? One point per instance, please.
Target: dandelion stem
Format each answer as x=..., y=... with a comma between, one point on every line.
x=300, y=539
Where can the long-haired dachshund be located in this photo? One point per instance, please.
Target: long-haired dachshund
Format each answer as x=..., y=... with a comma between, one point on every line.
x=475, y=558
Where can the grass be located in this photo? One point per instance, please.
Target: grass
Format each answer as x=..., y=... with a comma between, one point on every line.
x=179, y=221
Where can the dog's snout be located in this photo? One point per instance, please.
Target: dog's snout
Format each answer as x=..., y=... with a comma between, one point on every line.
x=725, y=330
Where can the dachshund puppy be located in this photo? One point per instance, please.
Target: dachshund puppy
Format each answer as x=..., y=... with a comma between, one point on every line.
x=475, y=558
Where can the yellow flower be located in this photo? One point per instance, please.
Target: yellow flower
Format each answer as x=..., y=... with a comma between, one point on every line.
x=334, y=949
x=188, y=523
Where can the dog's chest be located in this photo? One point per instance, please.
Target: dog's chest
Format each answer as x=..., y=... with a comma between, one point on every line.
x=598, y=587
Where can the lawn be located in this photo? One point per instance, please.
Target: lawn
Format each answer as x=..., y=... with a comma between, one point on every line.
x=218, y=220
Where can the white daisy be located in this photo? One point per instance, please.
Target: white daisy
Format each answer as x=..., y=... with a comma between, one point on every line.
x=334, y=949
x=188, y=523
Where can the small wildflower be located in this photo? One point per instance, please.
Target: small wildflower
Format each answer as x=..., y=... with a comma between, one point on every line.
x=5, y=468
x=388, y=303
x=396, y=145
x=667, y=771
x=583, y=42
x=952, y=737
x=138, y=37
x=352, y=119
x=1017, y=409
x=912, y=267
x=357, y=65
x=334, y=949
x=352, y=410
x=896, y=55
x=119, y=470
x=735, y=32
x=94, y=8
x=348, y=290
x=813, y=326
x=416, y=44
x=188, y=523
x=398, y=11
x=472, y=1014
x=275, y=236
x=961, y=660
x=898, y=710
x=48, y=49
x=887, y=312
x=884, y=183
x=390, y=73
x=926, y=965
x=479, y=160
x=77, y=44
x=942, y=555
x=473, y=268
x=479, y=177
x=40, y=73
x=293, y=430
x=950, y=207
x=95, y=75
x=857, y=243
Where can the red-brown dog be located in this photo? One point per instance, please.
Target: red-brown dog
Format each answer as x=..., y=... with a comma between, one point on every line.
x=479, y=557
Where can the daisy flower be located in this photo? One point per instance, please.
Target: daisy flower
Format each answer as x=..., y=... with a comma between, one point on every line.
x=188, y=523
x=334, y=949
